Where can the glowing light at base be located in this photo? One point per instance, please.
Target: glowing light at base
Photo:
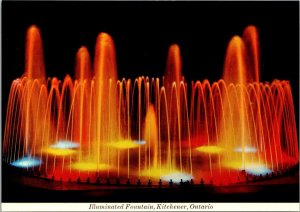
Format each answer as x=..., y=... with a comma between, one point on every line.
x=250, y=167
x=141, y=142
x=210, y=149
x=125, y=144
x=246, y=149
x=166, y=174
x=90, y=166
x=59, y=152
x=62, y=148
x=176, y=177
x=155, y=172
x=256, y=169
x=26, y=162
x=65, y=145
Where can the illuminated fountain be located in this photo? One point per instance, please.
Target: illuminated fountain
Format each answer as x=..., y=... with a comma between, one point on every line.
x=99, y=127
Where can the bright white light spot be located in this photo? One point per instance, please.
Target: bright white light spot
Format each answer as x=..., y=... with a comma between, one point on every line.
x=141, y=142
x=65, y=145
x=177, y=177
x=26, y=162
x=247, y=149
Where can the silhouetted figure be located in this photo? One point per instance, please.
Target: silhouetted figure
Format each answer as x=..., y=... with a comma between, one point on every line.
x=78, y=180
x=192, y=182
x=160, y=183
x=181, y=182
x=202, y=182
x=171, y=183
x=128, y=182
x=139, y=182
x=88, y=180
x=149, y=183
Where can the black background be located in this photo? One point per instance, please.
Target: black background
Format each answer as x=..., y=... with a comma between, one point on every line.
x=143, y=31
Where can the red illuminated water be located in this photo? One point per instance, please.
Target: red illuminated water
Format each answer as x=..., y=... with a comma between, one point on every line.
x=98, y=125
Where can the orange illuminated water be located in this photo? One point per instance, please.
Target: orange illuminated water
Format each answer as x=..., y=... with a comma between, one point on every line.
x=100, y=126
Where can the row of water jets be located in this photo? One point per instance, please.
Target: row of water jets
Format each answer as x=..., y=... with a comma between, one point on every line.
x=153, y=128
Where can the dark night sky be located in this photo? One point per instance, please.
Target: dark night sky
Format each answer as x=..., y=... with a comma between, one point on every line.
x=143, y=31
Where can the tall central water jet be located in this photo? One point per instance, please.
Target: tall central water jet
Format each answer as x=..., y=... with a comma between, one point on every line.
x=172, y=84
x=240, y=68
x=105, y=107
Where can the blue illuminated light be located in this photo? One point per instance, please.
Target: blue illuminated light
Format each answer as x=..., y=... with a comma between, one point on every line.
x=65, y=145
x=26, y=162
x=176, y=177
x=258, y=170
